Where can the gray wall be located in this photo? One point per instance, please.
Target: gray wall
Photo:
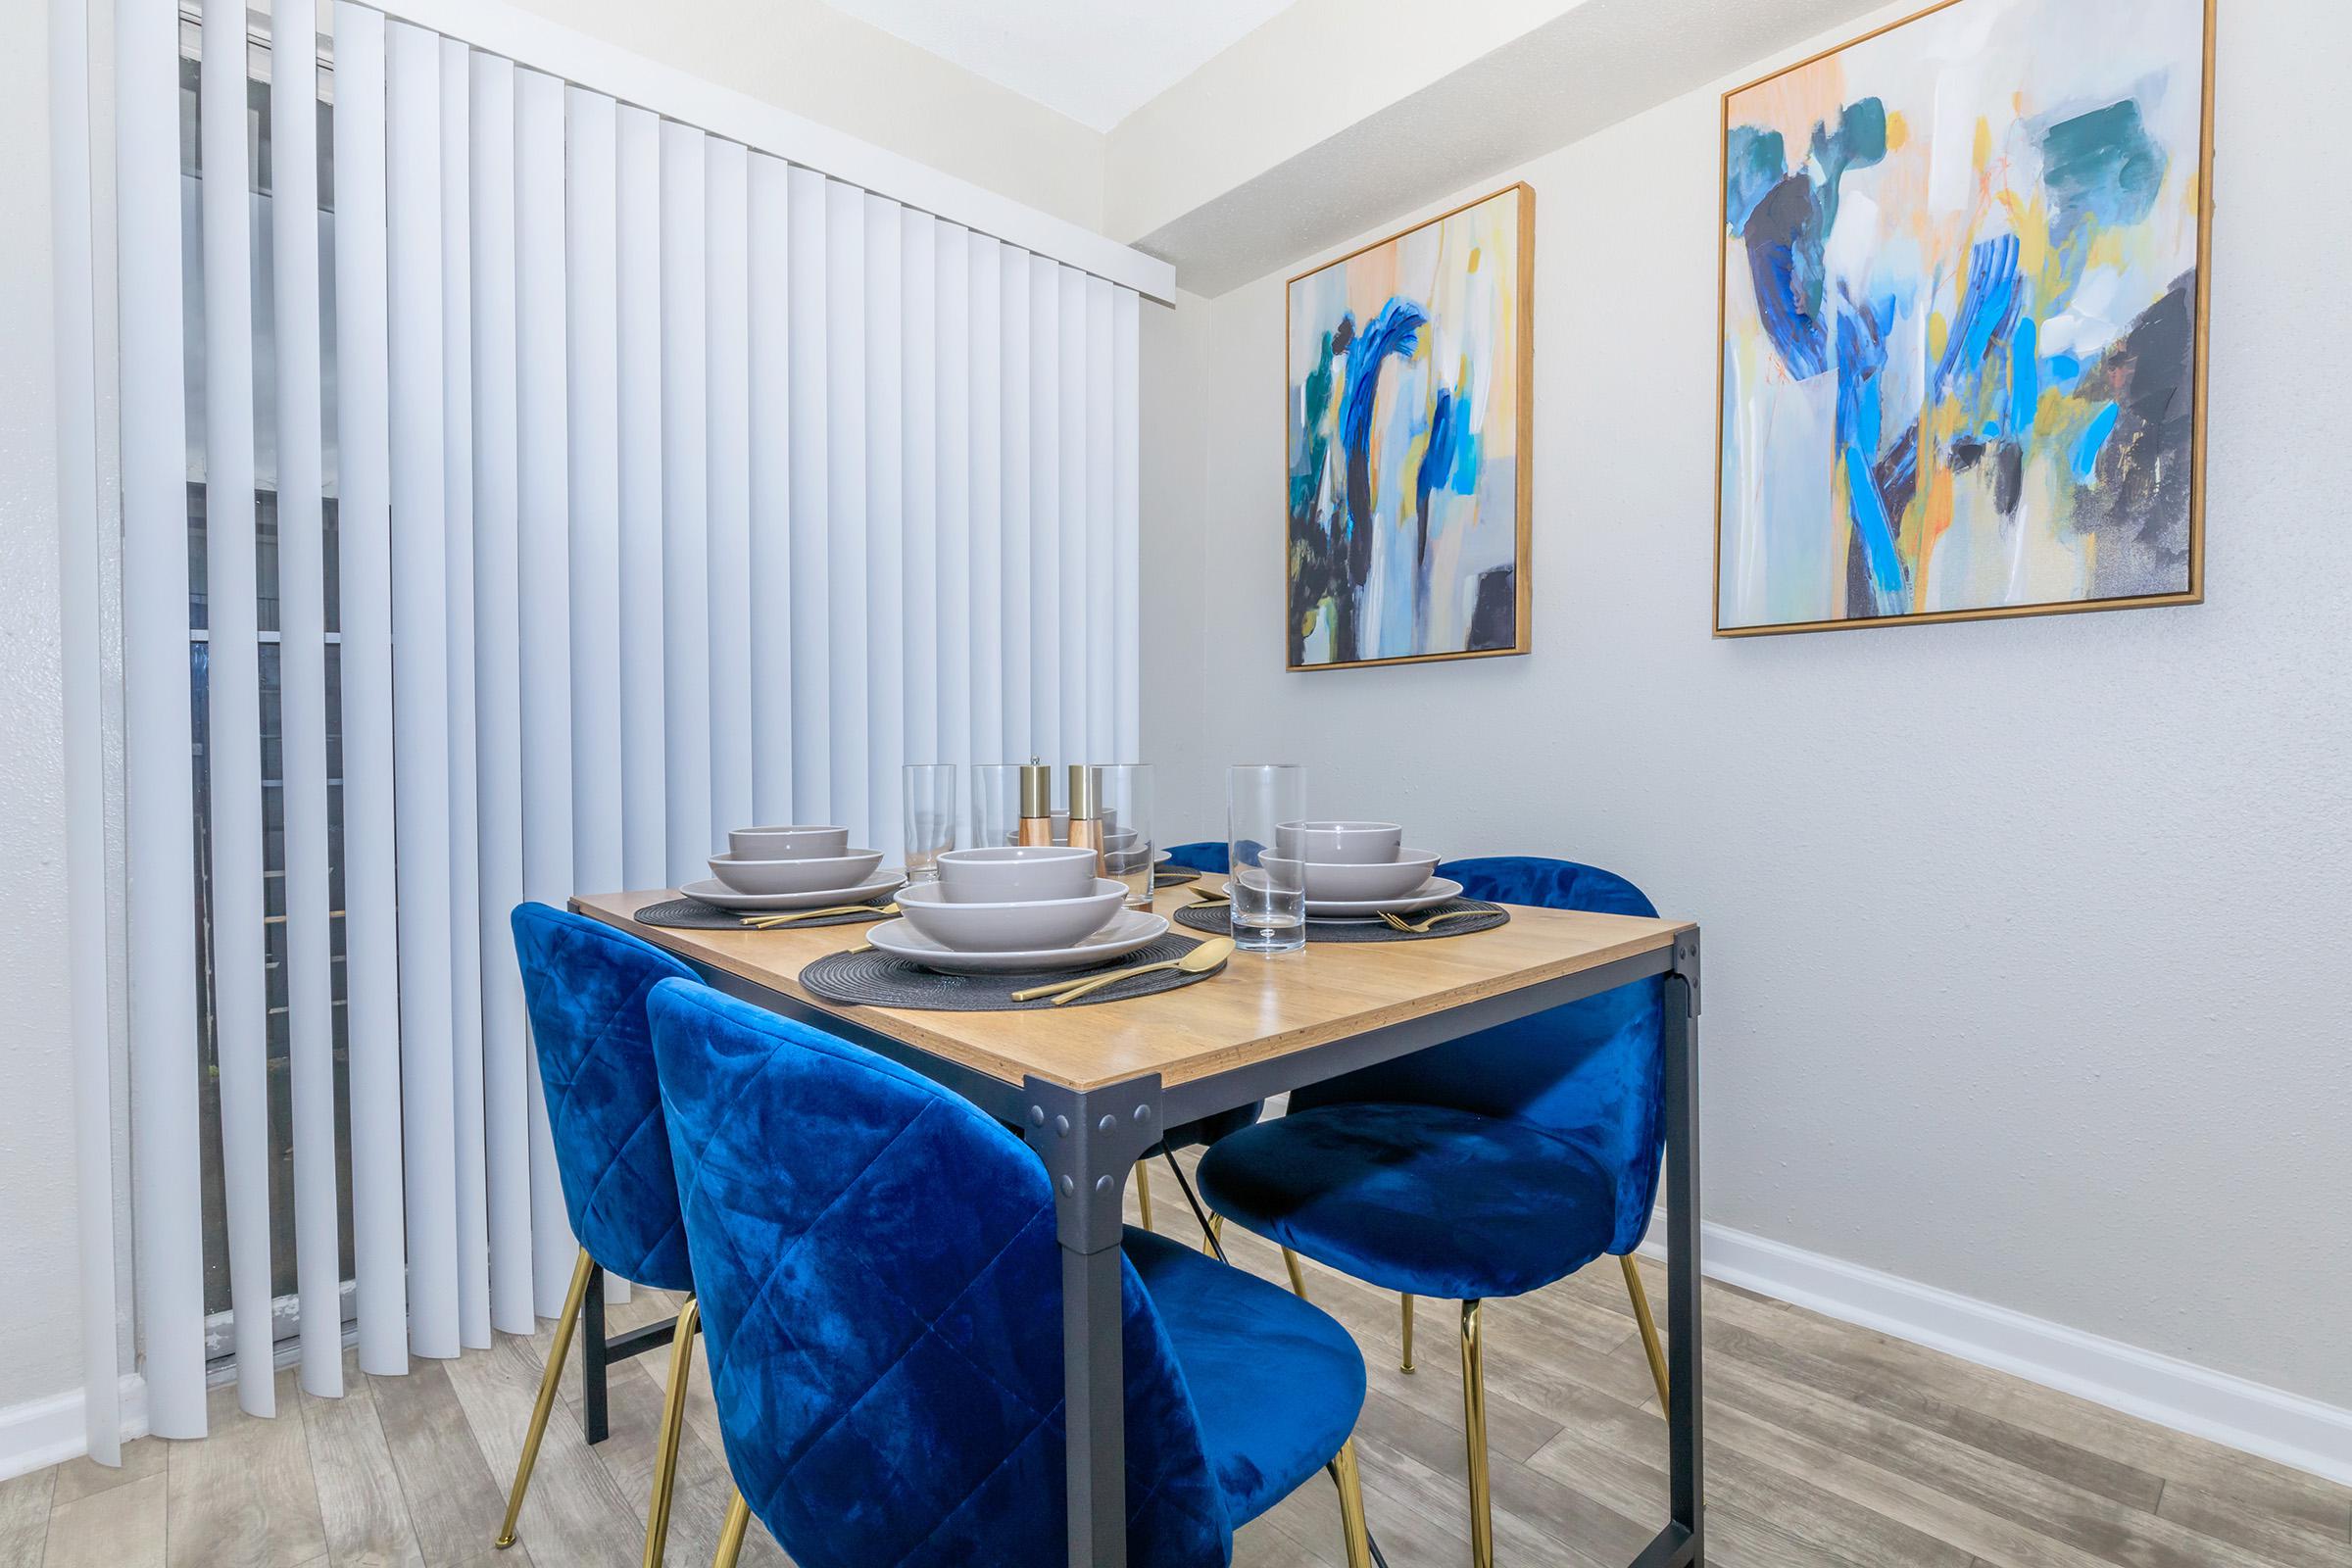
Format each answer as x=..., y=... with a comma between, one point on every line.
x=2025, y=938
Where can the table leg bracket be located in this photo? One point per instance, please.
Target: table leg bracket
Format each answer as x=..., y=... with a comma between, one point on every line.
x=1089, y=1139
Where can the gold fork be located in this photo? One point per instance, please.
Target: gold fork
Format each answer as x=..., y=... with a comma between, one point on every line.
x=1421, y=927
x=768, y=922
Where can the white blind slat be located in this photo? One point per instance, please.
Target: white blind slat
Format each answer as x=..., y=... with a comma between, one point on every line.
x=156, y=725
x=769, y=415
x=951, y=497
x=1017, y=578
x=591, y=217
x=984, y=488
x=727, y=415
x=1048, y=550
x=919, y=499
x=421, y=678
x=498, y=696
x=467, y=1130
x=685, y=501
x=849, y=718
x=370, y=939
x=233, y=746
x=1076, y=621
x=1127, y=487
x=82, y=641
x=645, y=831
x=1102, y=619
x=543, y=616
x=885, y=486
x=810, y=477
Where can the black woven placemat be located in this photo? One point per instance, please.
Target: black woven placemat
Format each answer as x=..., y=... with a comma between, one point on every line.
x=1173, y=876
x=1213, y=918
x=693, y=914
x=875, y=979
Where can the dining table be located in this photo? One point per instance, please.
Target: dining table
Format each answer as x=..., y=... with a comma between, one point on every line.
x=1091, y=1087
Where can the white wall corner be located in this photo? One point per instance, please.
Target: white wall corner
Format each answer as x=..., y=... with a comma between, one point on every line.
x=2231, y=1410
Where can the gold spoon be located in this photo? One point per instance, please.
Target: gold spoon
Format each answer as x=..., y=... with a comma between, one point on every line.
x=1421, y=927
x=765, y=922
x=1203, y=959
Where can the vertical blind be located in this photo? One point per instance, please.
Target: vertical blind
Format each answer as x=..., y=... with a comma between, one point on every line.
x=629, y=484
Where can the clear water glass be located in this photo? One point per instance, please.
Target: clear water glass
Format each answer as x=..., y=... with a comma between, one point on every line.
x=996, y=803
x=1269, y=908
x=1125, y=790
x=930, y=817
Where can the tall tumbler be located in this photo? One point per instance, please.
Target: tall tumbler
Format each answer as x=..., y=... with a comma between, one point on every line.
x=1128, y=848
x=930, y=817
x=1268, y=892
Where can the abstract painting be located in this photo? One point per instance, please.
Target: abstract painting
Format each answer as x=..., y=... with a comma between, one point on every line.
x=1963, y=319
x=1409, y=443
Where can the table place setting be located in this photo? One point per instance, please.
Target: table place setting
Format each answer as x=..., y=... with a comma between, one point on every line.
x=1011, y=927
x=1297, y=879
x=804, y=874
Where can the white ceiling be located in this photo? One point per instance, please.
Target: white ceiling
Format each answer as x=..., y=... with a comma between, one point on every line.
x=1096, y=61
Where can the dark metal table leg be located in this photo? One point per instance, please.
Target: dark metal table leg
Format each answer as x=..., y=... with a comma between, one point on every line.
x=1088, y=1141
x=592, y=1356
x=1684, y=1360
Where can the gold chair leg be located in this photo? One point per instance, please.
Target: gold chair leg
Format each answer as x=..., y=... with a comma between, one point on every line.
x=1216, y=1236
x=1354, y=1533
x=1649, y=1332
x=1143, y=1190
x=1290, y=1260
x=564, y=1323
x=730, y=1535
x=1474, y=1424
x=1407, y=1364
x=673, y=1427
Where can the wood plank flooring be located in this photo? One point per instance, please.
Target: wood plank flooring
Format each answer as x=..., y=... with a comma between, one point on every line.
x=1828, y=1447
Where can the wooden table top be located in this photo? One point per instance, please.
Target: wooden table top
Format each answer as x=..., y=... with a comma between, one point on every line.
x=1257, y=1007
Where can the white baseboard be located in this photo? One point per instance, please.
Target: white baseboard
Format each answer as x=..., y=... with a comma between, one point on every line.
x=40, y=1432
x=2233, y=1410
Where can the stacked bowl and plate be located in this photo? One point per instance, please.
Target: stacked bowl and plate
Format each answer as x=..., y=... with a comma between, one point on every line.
x=804, y=867
x=1013, y=908
x=1359, y=872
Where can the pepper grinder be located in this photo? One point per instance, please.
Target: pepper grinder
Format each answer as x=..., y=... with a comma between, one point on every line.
x=1037, y=805
x=1086, y=812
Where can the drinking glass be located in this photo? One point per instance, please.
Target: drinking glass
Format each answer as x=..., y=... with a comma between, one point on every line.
x=930, y=817
x=1125, y=791
x=996, y=803
x=1268, y=892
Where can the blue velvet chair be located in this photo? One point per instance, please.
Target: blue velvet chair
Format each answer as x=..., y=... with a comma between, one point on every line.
x=585, y=986
x=1488, y=1166
x=1208, y=854
x=879, y=1281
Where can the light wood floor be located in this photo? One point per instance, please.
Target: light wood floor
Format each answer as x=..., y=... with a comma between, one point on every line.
x=1827, y=1445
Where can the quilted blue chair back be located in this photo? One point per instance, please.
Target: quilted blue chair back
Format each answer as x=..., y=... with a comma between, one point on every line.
x=585, y=985
x=881, y=1294
x=1593, y=1071
x=1208, y=854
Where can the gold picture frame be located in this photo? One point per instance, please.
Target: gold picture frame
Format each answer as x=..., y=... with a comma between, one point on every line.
x=1518, y=319
x=2199, y=331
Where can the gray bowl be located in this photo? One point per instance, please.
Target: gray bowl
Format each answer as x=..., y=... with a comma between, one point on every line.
x=1025, y=926
x=815, y=874
x=1339, y=843
x=797, y=843
x=1015, y=873
x=1359, y=884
